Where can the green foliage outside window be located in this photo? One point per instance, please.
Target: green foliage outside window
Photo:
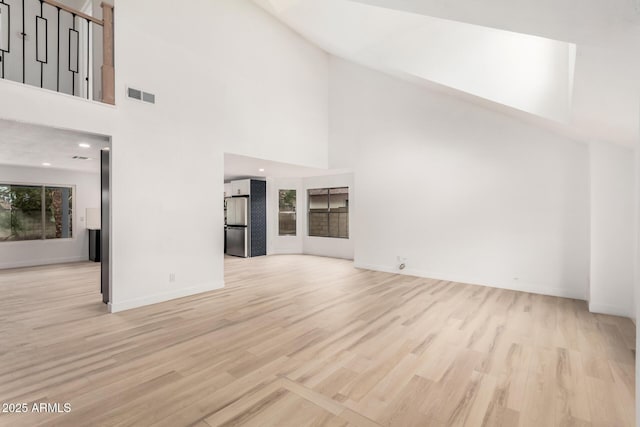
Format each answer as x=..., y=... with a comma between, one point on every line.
x=29, y=212
x=287, y=212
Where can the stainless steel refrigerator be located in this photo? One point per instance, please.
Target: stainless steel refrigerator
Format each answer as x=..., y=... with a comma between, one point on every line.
x=238, y=230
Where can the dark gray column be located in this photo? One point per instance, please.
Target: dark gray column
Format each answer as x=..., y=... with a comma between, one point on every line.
x=104, y=227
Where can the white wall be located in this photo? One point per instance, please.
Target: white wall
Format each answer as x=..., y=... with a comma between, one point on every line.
x=265, y=88
x=236, y=81
x=464, y=193
x=637, y=272
x=612, y=225
x=41, y=252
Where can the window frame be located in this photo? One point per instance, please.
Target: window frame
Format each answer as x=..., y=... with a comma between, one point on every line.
x=43, y=237
x=328, y=190
x=295, y=212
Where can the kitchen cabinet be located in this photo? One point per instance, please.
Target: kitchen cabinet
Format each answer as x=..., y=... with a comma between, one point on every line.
x=241, y=187
x=94, y=245
x=227, y=190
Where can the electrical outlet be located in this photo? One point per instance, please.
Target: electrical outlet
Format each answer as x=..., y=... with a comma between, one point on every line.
x=172, y=277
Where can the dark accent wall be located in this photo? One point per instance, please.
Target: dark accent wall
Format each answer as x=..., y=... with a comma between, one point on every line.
x=258, y=218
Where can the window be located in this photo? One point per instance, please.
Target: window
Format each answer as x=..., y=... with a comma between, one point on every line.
x=329, y=212
x=287, y=212
x=35, y=212
x=58, y=223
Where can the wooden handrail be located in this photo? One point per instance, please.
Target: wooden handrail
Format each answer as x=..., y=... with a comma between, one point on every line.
x=73, y=11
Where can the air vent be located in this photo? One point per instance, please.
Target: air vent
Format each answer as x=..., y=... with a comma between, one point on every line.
x=148, y=97
x=139, y=95
x=81, y=158
x=134, y=93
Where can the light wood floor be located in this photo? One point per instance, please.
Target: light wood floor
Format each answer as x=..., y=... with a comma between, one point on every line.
x=306, y=341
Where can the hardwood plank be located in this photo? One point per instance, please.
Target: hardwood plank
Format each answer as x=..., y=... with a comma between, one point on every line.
x=310, y=341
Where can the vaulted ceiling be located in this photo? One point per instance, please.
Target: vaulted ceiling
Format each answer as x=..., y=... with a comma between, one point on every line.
x=576, y=21
x=571, y=65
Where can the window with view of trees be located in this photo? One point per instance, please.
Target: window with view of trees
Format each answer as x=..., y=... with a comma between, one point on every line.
x=329, y=212
x=287, y=212
x=35, y=212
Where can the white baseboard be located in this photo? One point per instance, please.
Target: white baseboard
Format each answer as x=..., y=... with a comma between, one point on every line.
x=115, y=307
x=284, y=252
x=328, y=255
x=39, y=262
x=522, y=287
x=612, y=310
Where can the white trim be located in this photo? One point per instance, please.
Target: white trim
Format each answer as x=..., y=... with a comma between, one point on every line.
x=45, y=90
x=611, y=310
x=333, y=255
x=40, y=262
x=284, y=251
x=163, y=297
x=522, y=287
x=53, y=239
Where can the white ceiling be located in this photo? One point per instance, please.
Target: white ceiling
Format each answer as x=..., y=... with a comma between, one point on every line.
x=572, y=66
x=576, y=21
x=241, y=167
x=29, y=145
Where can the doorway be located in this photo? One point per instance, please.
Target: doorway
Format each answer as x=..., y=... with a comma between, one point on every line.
x=54, y=196
x=307, y=209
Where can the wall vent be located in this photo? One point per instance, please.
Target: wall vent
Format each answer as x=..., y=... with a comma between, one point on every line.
x=134, y=93
x=148, y=97
x=139, y=95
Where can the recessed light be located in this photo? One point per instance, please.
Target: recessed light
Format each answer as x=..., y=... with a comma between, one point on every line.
x=260, y=170
x=46, y=164
x=84, y=145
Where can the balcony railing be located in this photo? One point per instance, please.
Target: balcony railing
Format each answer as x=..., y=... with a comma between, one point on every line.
x=49, y=44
